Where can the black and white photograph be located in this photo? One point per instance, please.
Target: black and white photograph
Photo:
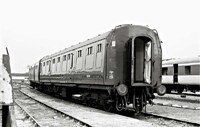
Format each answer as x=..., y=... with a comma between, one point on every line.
x=98, y=63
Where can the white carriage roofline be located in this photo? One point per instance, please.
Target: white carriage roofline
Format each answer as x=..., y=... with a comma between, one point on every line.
x=181, y=61
x=181, y=64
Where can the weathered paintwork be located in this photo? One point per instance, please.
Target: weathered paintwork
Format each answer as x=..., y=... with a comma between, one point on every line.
x=115, y=66
x=118, y=59
x=119, y=67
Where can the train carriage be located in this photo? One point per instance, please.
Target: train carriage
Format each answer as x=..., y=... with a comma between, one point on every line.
x=34, y=74
x=181, y=74
x=119, y=69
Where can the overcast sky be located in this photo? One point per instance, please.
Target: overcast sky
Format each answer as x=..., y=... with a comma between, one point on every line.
x=32, y=29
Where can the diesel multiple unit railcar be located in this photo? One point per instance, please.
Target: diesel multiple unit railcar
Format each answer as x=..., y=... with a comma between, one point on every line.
x=117, y=70
x=181, y=74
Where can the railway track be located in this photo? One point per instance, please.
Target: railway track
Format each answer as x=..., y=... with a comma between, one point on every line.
x=158, y=120
x=24, y=119
x=170, y=120
x=174, y=100
x=161, y=120
x=177, y=106
x=88, y=115
x=186, y=94
x=93, y=116
x=39, y=114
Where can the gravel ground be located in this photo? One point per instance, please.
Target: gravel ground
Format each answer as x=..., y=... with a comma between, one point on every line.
x=44, y=115
x=182, y=114
x=92, y=116
x=192, y=106
x=190, y=102
x=163, y=122
x=194, y=99
x=21, y=118
x=175, y=113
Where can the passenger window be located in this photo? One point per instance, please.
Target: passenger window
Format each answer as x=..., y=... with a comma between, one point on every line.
x=79, y=53
x=64, y=57
x=170, y=71
x=99, y=56
x=49, y=65
x=44, y=64
x=53, y=61
x=68, y=57
x=72, y=60
x=58, y=59
x=89, y=50
x=164, y=71
x=187, y=70
x=99, y=47
x=40, y=68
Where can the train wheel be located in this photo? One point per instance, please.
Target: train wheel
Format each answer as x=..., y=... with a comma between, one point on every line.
x=161, y=90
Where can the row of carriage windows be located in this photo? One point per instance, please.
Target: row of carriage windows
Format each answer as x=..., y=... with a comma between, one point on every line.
x=181, y=70
x=89, y=51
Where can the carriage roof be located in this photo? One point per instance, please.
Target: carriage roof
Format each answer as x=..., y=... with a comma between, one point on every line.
x=81, y=44
x=191, y=60
x=87, y=42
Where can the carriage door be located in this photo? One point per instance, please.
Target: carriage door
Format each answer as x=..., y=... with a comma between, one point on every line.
x=141, y=60
x=175, y=77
